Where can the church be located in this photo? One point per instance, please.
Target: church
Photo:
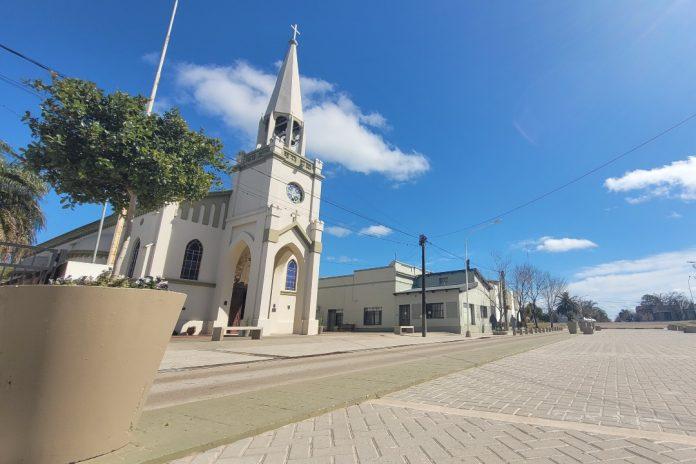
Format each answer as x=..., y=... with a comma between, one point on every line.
x=244, y=257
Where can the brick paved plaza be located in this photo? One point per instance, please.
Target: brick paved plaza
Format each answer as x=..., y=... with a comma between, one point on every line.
x=618, y=395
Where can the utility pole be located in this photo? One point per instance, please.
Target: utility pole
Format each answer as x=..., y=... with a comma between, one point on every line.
x=466, y=279
x=503, y=297
x=421, y=241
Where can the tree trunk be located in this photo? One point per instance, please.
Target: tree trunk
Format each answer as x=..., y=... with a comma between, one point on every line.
x=125, y=238
x=116, y=239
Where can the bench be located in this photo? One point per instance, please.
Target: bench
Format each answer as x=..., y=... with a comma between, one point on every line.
x=220, y=332
x=346, y=328
x=402, y=329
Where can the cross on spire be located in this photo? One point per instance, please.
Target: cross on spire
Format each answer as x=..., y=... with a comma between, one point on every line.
x=295, y=32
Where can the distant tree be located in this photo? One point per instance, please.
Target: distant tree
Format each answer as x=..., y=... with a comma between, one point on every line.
x=590, y=308
x=536, y=287
x=94, y=147
x=567, y=306
x=626, y=315
x=553, y=288
x=20, y=192
x=521, y=283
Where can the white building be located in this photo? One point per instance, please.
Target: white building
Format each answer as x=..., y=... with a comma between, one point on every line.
x=380, y=298
x=249, y=256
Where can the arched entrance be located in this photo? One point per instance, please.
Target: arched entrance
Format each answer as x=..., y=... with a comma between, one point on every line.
x=286, y=290
x=239, y=288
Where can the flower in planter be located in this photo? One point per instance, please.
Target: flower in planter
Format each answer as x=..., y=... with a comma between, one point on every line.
x=105, y=279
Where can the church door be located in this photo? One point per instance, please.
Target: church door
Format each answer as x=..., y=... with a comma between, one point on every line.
x=237, y=303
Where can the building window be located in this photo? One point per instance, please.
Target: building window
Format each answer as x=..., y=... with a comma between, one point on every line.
x=442, y=281
x=472, y=314
x=291, y=276
x=435, y=310
x=372, y=316
x=484, y=312
x=134, y=258
x=192, y=260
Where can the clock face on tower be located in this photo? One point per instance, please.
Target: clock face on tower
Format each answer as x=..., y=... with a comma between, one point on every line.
x=295, y=193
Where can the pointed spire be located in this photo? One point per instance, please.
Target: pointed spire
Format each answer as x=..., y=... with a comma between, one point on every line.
x=286, y=96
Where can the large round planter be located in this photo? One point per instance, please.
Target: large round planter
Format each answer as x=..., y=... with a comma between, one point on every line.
x=76, y=364
x=572, y=327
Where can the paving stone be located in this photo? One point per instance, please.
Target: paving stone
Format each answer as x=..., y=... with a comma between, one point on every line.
x=615, y=378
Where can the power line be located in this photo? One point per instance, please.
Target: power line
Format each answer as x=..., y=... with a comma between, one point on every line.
x=257, y=194
x=576, y=179
x=19, y=85
x=31, y=60
x=344, y=208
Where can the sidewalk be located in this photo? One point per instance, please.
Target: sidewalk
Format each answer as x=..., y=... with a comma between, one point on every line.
x=186, y=354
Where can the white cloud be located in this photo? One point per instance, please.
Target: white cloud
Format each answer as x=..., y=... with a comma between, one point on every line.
x=377, y=230
x=674, y=215
x=557, y=245
x=341, y=259
x=151, y=58
x=337, y=231
x=338, y=130
x=620, y=284
x=675, y=180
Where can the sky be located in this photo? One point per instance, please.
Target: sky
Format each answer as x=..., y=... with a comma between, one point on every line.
x=430, y=117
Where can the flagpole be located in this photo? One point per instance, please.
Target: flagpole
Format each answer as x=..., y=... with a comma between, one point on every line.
x=150, y=104
x=155, y=84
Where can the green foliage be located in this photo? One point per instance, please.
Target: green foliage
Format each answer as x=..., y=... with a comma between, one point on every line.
x=94, y=147
x=20, y=192
x=106, y=279
x=567, y=306
x=626, y=315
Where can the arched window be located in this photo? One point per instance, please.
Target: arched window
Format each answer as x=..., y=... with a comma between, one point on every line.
x=291, y=276
x=134, y=258
x=192, y=260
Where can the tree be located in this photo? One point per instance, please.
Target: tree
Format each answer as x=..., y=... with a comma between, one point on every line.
x=626, y=315
x=94, y=147
x=20, y=191
x=521, y=285
x=567, y=306
x=537, y=282
x=590, y=308
x=553, y=288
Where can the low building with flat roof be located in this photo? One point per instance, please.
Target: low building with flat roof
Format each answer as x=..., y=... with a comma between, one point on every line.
x=378, y=299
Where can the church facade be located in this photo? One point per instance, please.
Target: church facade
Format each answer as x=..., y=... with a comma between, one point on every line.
x=245, y=257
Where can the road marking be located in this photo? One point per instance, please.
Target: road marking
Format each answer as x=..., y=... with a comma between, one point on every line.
x=537, y=421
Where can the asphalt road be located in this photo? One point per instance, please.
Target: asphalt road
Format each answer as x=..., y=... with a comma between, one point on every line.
x=184, y=386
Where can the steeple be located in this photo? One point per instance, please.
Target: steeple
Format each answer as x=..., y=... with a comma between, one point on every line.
x=283, y=121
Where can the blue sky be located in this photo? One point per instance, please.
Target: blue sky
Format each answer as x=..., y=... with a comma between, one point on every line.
x=430, y=117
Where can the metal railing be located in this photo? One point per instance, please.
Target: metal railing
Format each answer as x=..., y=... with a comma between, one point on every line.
x=27, y=264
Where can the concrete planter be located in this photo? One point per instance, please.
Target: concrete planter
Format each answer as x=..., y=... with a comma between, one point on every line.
x=572, y=327
x=689, y=329
x=76, y=364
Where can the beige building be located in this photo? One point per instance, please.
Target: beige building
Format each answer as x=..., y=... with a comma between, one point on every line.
x=378, y=299
x=249, y=256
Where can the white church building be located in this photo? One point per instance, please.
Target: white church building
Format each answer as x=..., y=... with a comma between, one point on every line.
x=249, y=256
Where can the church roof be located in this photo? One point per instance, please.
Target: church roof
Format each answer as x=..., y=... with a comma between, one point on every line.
x=286, y=97
x=109, y=221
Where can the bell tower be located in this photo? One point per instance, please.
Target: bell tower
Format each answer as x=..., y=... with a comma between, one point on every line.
x=283, y=121
x=268, y=275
